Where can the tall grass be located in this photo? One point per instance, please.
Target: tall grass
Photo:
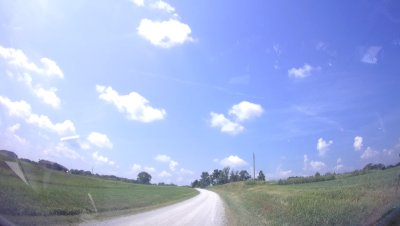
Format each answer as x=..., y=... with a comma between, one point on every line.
x=53, y=193
x=355, y=200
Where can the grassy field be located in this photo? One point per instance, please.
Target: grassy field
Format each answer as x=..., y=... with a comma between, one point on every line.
x=348, y=200
x=53, y=197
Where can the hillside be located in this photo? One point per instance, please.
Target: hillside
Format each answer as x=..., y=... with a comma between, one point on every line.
x=56, y=197
x=347, y=200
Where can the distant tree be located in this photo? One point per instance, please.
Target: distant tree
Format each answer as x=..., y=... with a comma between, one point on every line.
x=244, y=175
x=144, y=178
x=205, y=179
x=215, y=177
x=195, y=184
x=52, y=165
x=234, y=176
x=371, y=166
x=261, y=176
x=225, y=175
x=317, y=174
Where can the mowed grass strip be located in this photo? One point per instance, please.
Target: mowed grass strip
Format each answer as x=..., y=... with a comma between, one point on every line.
x=348, y=200
x=52, y=193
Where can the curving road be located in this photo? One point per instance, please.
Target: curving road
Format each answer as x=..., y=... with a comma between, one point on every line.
x=204, y=209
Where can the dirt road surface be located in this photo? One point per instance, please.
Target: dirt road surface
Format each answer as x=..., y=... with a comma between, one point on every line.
x=204, y=209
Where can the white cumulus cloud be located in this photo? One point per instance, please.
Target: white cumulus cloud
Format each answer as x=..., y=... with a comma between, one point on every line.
x=371, y=55
x=48, y=96
x=100, y=140
x=358, y=143
x=233, y=161
x=17, y=58
x=301, y=72
x=166, y=33
x=22, y=109
x=225, y=125
x=238, y=113
x=245, y=110
x=24, y=67
x=135, y=106
x=323, y=146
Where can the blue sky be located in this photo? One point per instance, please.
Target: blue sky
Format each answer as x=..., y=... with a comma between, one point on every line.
x=180, y=87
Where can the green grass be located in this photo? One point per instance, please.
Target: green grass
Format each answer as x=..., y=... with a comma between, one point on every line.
x=348, y=200
x=54, y=197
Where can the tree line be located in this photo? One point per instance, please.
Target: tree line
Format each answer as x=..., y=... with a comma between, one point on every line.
x=310, y=179
x=224, y=176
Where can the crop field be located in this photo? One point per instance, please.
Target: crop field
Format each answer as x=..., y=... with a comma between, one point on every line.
x=53, y=197
x=347, y=200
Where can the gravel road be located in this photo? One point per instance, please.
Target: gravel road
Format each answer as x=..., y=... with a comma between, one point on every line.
x=204, y=209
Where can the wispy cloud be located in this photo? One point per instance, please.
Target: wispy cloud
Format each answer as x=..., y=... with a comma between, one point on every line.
x=369, y=153
x=172, y=164
x=102, y=159
x=312, y=165
x=370, y=56
x=139, y=3
x=301, y=72
x=164, y=174
x=339, y=165
x=163, y=6
x=240, y=80
x=61, y=150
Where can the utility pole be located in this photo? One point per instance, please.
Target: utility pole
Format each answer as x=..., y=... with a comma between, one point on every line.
x=254, y=166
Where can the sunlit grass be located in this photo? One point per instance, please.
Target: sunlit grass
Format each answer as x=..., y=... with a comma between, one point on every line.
x=53, y=193
x=356, y=200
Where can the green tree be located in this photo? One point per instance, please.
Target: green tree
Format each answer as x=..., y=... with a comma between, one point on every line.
x=144, y=178
x=234, y=176
x=225, y=175
x=244, y=175
x=216, y=176
x=195, y=184
x=204, y=179
x=261, y=176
